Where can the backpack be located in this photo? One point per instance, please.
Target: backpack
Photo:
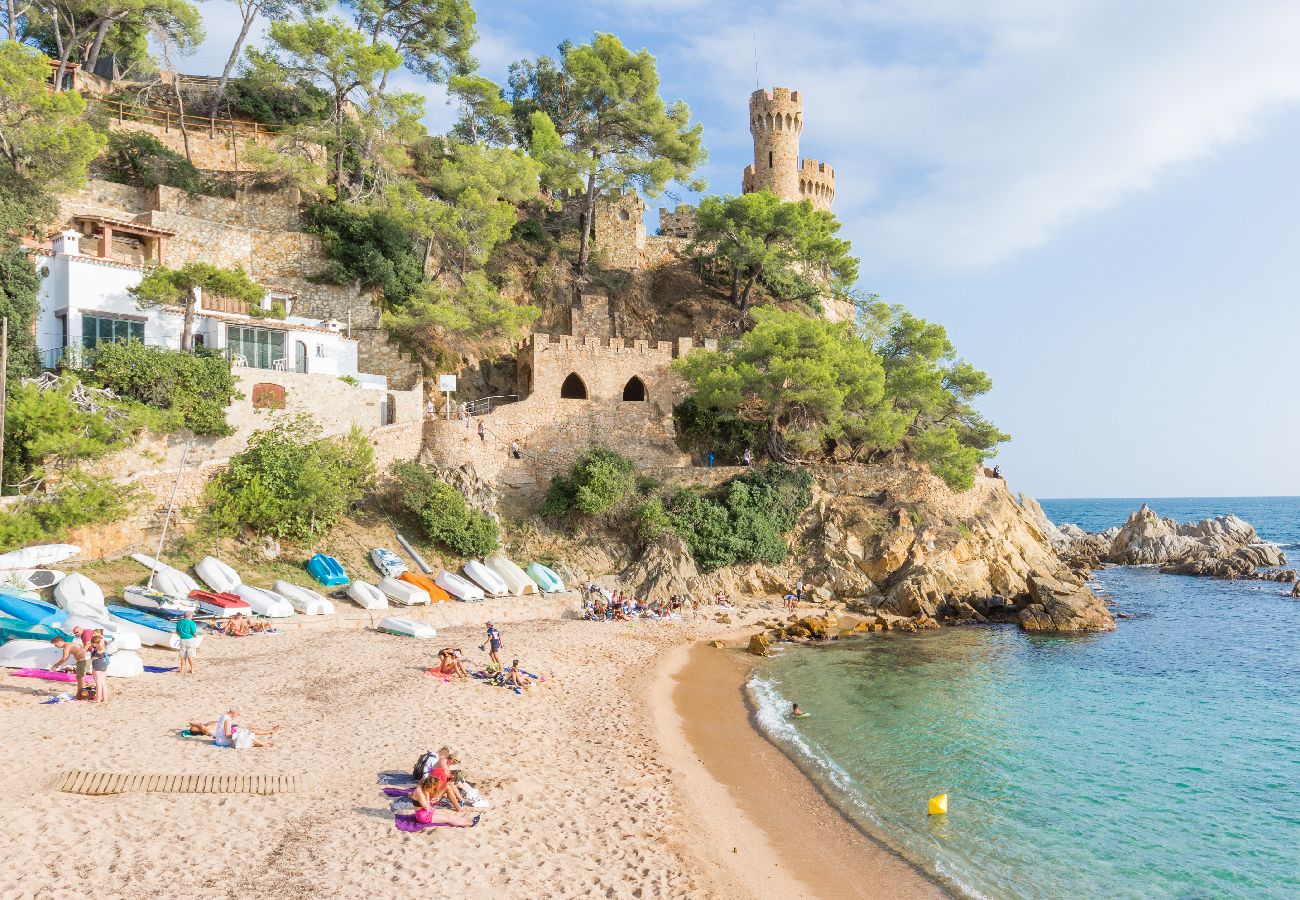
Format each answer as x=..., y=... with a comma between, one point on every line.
x=427, y=758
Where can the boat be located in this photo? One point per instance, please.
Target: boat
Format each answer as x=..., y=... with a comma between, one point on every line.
x=217, y=575
x=151, y=630
x=367, y=596
x=16, y=629
x=218, y=604
x=545, y=578
x=458, y=587
x=426, y=584
x=387, y=562
x=24, y=654
x=26, y=609
x=76, y=590
x=40, y=555
x=492, y=584
x=167, y=579
x=304, y=600
x=327, y=570
x=263, y=602
x=419, y=560
x=406, y=627
x=402, y=592
x=516, y=579
x=158, y=601
x=31, y=579
x=83, y=615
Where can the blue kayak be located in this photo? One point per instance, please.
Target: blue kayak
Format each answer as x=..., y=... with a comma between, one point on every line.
x=18, y=630
x=327, y=571
x=545, y=578
x=142, y=618
x=37, y=612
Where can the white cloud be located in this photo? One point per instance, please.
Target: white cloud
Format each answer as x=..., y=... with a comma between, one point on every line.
x=964, y=133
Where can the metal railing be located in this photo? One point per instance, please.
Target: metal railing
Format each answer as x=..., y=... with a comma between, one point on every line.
x=487, y=404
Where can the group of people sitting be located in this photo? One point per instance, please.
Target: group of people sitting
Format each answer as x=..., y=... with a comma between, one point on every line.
x=600, y=605
x=240, y=625
x=228, y=731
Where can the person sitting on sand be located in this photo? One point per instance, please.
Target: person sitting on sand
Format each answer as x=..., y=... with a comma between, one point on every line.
x=449, y=663
x=77, y=651
x=444, y=774
x=237, y=626
x=517, y=677
x=229, y=733
x=209, y=729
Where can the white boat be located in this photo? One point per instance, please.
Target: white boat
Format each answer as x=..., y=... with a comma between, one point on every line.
x=217, y=575
x=143, y=597
x=367, y=596
x=77, y=590
x=263, y=602
x=492, y=584
x=141, y=627
x=83, y=615
x=516, y=579
x=406, y=627
x=402, y=592
x=25, y=654
x=42, y=555
x=304, y=600
x=30, y=579
x=387, y=562
x=167, y=579
x=458, y=587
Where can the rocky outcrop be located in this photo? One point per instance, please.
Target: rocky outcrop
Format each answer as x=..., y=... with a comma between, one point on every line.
x=1222, y=547
x=1061, y=607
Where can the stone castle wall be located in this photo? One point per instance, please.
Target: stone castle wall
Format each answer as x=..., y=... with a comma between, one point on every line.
x=211, y=149
x=259, y=230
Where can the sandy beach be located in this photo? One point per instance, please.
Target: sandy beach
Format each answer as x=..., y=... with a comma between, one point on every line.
x=595, y=791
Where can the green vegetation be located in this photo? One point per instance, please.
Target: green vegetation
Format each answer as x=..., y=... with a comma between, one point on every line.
x=75, y=31
x=746, y=520
x=176, y=287
x=290, y=483
x=818, y=388
x=442, y=511
x=443, y=324
x=368, y=245
x=196, y=387
x=139, y=158
x=601, y=480
x=74, y=501
x=789, y=249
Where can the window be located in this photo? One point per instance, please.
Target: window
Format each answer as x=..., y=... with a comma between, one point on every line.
x=97, y=330
x=573, y=388
x=259, y=348
x=634, y=389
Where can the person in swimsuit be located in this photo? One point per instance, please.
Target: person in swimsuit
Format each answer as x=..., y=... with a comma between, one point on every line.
x=237, y=626
x=99, y=666
x=77, y=651
x=449, y=663
x=517, y=677
x=494, y=643
x=209, y=729
x=226, y=731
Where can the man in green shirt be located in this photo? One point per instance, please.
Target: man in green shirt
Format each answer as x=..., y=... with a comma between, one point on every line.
x=188, y=635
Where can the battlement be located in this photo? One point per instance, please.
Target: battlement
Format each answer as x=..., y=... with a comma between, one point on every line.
x=776, y=122
x=811, y=168
x=665, y=351
x=817, y=183
x=775, y=95
x=678, y=223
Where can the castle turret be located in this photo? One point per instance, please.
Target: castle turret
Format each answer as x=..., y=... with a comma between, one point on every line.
x=776, y=121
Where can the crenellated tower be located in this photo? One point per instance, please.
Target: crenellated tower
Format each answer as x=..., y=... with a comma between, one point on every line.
x=776, y=121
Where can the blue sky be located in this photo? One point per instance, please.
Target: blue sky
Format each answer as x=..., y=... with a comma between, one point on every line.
x=1099, y=200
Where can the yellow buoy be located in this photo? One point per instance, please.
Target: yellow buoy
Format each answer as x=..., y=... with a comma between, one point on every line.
x=939, y=805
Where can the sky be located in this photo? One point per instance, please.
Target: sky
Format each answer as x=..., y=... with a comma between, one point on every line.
x=1099, y=199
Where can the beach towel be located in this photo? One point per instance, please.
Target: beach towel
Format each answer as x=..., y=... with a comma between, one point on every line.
x=436, y=818
x=46, y=675
x=154, y=670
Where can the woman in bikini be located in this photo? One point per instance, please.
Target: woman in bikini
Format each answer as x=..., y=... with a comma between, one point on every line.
x=99, y=666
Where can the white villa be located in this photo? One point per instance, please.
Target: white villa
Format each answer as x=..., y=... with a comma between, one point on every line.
x=84, y=301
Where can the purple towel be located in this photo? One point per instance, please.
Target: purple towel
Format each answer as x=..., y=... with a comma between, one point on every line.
x=46, y=675
x=396, y=792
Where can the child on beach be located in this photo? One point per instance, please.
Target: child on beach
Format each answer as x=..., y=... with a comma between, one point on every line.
x=77, y=651
x=494, y=642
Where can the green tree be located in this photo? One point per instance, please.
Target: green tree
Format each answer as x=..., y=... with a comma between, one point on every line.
x=369, y=243
x=480, y=186
x=608, y=109
x=445, y=516
x=599, y=481
x=290, y=482
x=444, y=325
x=485, y=114
x=249, y=12
x=139, y=158
x=42, y=136
x=562, y=168
x=789, y=248
x=78, y=31
x=329, y=54
x=185, y=286
x=197, y=387
x=434, y=37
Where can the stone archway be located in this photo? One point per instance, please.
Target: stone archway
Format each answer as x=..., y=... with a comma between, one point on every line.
x=574, y=388
x=634, y=389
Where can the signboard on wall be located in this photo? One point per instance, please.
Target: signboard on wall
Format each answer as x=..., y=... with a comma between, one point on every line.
x=447, y=384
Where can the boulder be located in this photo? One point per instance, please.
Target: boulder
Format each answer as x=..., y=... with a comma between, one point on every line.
x=820, y=628
x=759, y=645
x=665, y=568
x=1063, y=608
x=717, y=645
x=1295, y=591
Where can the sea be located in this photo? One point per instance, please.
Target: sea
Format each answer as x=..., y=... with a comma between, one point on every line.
x=1159, y=760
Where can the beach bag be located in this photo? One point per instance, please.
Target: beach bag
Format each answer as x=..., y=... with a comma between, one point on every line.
x=242, y=738
x=423, y=764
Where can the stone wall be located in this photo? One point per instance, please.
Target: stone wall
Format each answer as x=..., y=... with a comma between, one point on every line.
x=214, y=150
x=258, y=230
x=677, y=223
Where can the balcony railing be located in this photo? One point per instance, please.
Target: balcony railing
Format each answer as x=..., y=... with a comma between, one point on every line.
x=225, y=305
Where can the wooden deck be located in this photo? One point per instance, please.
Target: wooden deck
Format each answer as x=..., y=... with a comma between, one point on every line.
x=81, y=781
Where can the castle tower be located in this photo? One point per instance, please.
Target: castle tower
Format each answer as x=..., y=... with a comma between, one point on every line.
x=776, y=121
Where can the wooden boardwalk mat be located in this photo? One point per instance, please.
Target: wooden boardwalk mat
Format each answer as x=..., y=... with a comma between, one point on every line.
x=81, y=781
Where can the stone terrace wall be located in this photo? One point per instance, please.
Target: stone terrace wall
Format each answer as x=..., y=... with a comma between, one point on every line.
x=215, y=151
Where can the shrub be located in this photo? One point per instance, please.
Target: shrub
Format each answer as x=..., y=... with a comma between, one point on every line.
x=139, y=158
x=289, y=482
x=600, y=480
x=746, y=520
x=651, y=519
x=275, y=103
x=76, y=500
x=196, y=386
x=728, y=436
x=368, y=245
x=445, y=516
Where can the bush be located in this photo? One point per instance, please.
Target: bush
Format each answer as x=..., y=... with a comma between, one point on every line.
x=746, y=520
x=196, y=386
x=651, y=519
x=139, y=158
x=445, y=516
x=728, y=436
x=76, y=500
x=368, y=245
x=274, y=103
x=600, y=480
x=290, y=483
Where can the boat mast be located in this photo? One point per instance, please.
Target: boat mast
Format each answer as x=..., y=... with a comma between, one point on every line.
x=171, y=504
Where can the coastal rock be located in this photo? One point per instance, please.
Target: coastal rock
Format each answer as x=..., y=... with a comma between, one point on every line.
x=759, y=645
x=820, y=628
x=664, y=569
x=1056, y=606
x=717, y=645
x=1295, y=591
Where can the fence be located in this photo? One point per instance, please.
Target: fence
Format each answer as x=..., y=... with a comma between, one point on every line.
x=168, y=119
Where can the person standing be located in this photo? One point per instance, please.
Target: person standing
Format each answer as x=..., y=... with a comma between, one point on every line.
x=99, y=667
x=798, y=590
x=748, y=457
x=77, y=651
x=482, y=432
x=494, y=643
x=710, y=459
x=430, y=410
x=187, y=635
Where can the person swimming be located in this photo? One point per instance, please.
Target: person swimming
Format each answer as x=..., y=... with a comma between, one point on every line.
x=796, y=712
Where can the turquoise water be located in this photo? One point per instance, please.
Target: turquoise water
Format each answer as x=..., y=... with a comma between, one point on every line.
x=1161, y=760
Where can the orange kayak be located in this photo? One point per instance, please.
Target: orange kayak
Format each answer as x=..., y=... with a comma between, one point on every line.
x=425, y=583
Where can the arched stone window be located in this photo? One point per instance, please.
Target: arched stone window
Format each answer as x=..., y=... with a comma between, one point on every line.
x=573, y=388
x=624, y=215
x=634, y=389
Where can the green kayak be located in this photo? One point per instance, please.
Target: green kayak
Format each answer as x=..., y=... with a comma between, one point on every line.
x=16, y=629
